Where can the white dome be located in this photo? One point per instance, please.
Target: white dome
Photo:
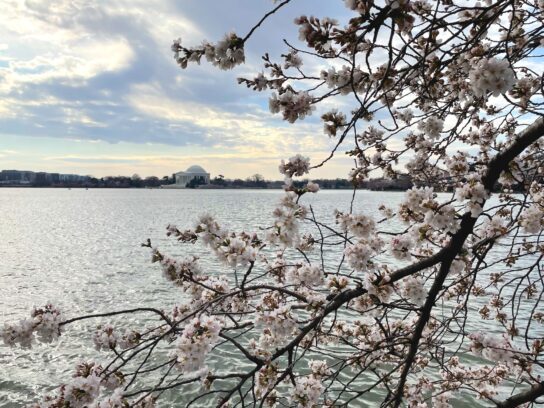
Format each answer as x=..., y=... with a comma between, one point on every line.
x=196, y=169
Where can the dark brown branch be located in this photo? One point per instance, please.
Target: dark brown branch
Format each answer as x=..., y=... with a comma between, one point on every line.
x=283, y=3
x=530, y=395
x=139, y=309
x=498, y=164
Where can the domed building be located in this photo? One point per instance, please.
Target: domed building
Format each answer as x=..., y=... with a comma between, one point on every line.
x=193, y=172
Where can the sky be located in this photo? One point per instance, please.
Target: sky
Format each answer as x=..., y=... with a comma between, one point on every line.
x=91, y=87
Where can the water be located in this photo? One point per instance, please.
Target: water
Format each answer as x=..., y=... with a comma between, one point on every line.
x=80, y=249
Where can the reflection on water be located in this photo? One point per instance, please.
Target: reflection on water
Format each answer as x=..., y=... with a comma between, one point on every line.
x=80, y=249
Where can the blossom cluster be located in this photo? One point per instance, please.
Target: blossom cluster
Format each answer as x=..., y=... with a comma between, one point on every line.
x=312, y=187
x=226, y=54
x=177, y=270
x=475, y=192
x=524, y=89
x=485, y=379
x=43, y=322
x=199, y=337
x=292, y=60
x=106, y=337
x=431, y=127
x=532, y=217
x=458, y=164
x=89, y=388
x=309, y=389
x=297, y=165
x=492, y=347
x=401, y=246
x=292, y=105
x=306, y=275
x=316, y=32
x=443, y=218
x=285, y=230
x=231, y=248
x=239, y=250
x=427, y=217
x=417, y=201
x=278, y=325
x=414, y=290
x=266, y=380
x=345, y=79
x=491, y=75
x=359, y=256
x=406, y=115
x=333, y=122
x=360, y=225
x=371, y=135
x=494, y=227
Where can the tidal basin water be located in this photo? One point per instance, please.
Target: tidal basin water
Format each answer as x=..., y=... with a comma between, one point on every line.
x=80, y=249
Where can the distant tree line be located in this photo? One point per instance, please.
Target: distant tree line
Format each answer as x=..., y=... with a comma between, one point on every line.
x=401, y=183
x=104, y=182
x=128, y=182
x=258, y=181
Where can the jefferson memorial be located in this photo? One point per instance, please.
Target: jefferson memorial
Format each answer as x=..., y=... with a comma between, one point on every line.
x=184, y=177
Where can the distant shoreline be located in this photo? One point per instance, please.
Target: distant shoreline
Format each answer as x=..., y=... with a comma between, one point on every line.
x=178, y=189
x=30, y=179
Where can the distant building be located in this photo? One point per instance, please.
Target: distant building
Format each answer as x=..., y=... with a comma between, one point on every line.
x=402, y=182
x=30, y=178
x=72, y=178
x=42, y=179
x=17, y=177
x=184, y=177
x=54, y=178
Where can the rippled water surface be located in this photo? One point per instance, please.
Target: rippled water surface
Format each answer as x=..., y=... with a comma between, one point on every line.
x=80, y=249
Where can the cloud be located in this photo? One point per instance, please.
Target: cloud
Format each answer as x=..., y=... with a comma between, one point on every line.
x=248, y=131
x=232, y=165
x=97, y=71
x=93, y=58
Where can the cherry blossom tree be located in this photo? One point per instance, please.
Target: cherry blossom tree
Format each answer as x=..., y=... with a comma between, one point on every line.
x=448, y=90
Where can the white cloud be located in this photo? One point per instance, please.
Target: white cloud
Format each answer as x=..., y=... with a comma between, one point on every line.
x=250, y=133
x=52, y=51
x=92, y=59
x=48, y=46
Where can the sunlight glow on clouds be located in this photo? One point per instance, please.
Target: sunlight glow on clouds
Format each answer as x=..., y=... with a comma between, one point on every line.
x=93, y=84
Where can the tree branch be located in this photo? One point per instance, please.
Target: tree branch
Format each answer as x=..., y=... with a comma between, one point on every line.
x=498, y=164
x=523, y=397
